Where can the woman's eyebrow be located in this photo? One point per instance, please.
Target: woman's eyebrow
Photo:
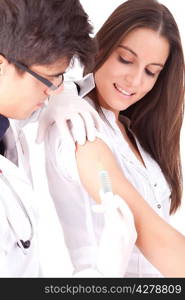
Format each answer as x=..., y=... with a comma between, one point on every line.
x=156, y=64
x=135, y=54
x=128, y=49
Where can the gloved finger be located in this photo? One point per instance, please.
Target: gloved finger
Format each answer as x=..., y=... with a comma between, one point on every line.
x=100, y=207
x=107, y=199
x=89, y=125
x=110, y=208
x=97, y=120
x=94, y=113
x=117, y=212
x=78, y=128
x=124, y=209
x=127, y=216
x=67, y=141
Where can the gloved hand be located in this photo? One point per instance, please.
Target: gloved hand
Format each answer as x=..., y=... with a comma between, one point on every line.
x=117, y=239
x=75, y=118
x=118, y=236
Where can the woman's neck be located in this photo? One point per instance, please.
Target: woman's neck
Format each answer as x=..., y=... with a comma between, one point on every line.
x=93, y=95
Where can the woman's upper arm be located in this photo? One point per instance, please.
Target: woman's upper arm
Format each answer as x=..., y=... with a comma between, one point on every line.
x=91, y=158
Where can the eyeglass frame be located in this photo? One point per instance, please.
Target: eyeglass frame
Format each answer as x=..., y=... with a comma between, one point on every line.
x=45, y=81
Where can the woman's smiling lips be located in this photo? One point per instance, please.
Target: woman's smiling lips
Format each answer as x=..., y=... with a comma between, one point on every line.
x=123, y=91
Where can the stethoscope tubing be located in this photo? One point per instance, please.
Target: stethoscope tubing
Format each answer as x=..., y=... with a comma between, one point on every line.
x=20, y=243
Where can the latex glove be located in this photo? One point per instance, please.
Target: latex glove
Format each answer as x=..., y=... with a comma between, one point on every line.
x=117, y=239
x=118, y=236
x=75, y=118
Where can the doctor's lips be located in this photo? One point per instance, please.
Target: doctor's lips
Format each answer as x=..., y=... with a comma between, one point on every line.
x=40, y=104
x=124, y=92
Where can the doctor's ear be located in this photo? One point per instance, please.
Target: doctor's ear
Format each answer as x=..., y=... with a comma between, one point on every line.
x=3, y=64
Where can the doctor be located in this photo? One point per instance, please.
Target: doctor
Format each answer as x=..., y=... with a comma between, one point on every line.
x=35, y=50
x=38, y=41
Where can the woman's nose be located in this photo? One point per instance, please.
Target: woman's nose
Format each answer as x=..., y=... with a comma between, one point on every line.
x=134, y=78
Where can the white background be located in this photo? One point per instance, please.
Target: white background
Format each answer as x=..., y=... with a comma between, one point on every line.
x=54, y=257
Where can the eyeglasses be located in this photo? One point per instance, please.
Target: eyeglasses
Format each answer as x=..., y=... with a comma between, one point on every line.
x=37, y=76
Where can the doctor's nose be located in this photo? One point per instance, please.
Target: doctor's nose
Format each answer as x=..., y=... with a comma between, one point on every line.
x=56, y=88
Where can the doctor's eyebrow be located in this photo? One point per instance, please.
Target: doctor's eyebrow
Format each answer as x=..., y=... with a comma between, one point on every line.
x=56, y=74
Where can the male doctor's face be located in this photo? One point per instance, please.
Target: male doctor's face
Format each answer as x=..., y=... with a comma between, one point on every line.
x=21, y=94
x=132, y=69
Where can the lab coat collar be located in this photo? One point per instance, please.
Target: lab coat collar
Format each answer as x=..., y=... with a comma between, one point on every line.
x=86, y=84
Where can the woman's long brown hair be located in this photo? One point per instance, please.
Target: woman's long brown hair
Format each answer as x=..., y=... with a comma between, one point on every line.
x=157, y=118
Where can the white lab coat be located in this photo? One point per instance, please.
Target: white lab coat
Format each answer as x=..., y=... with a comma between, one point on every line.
x=15, y=168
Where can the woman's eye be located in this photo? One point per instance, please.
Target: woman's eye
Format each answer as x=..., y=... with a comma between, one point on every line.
x=124, y=61
x=149, y=73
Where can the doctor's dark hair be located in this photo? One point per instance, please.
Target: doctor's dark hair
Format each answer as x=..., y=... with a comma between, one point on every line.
x=43, y=31
x=156, y=119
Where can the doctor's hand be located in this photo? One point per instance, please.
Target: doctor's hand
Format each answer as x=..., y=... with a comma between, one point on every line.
x=118, y=237
x=75, y=119
x=116, y=241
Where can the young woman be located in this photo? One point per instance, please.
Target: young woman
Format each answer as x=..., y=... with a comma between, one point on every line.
x=38, y=41
x=138, y=90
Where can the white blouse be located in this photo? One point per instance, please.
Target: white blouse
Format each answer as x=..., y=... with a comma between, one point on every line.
x=82, y=227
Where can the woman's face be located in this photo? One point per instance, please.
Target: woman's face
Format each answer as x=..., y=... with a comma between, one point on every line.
x=22, y=94
x=131, y=71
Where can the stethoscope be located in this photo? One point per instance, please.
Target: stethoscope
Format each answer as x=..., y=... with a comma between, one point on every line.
x=22, y=244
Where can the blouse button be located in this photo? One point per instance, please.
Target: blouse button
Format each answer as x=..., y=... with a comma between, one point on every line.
x=159, y=206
